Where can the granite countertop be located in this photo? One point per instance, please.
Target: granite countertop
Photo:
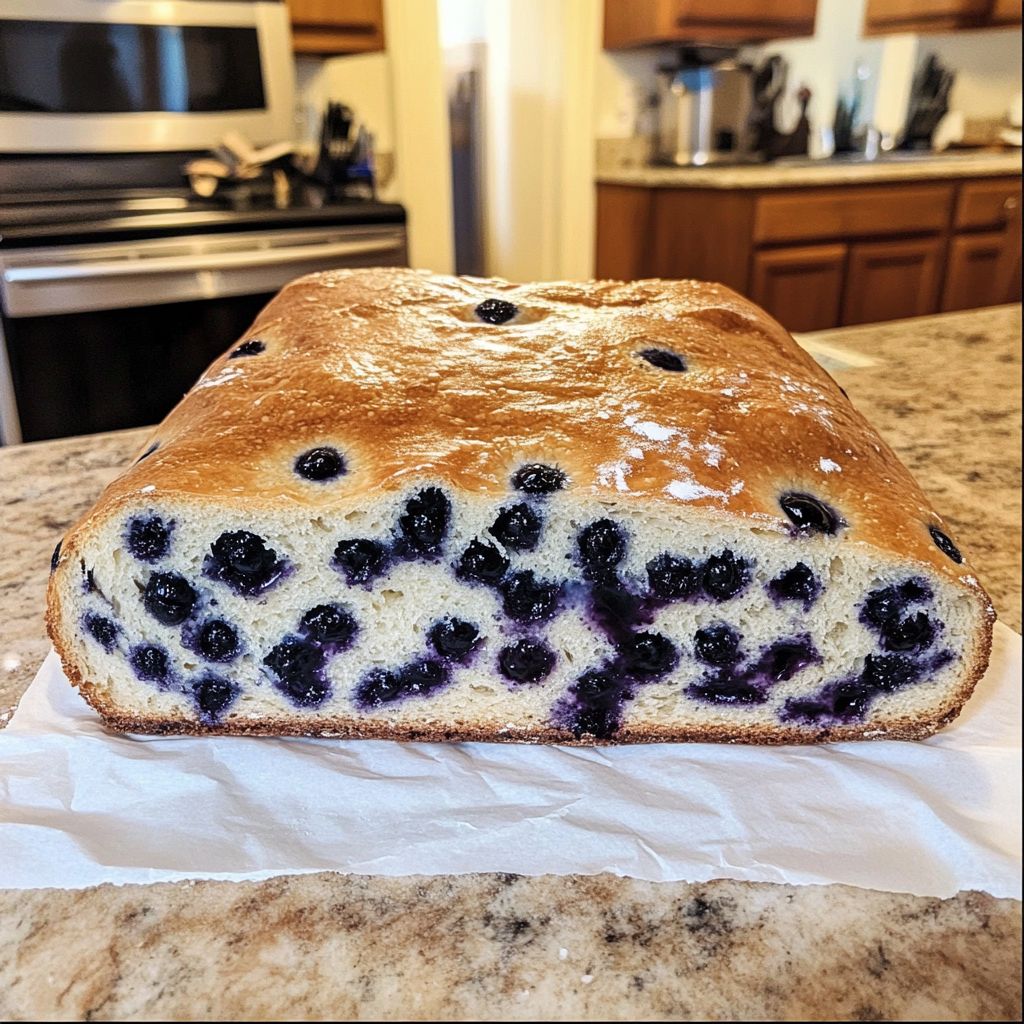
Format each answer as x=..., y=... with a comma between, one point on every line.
x=795, y=175
x=945, y=392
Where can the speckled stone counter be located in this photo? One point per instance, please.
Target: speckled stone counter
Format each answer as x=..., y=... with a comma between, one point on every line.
x=945, y=391
x=613, y=169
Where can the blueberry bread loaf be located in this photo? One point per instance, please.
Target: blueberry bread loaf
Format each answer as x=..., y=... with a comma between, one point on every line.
x=419, y=507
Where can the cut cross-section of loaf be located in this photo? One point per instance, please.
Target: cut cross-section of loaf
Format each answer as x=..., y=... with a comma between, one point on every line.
x=412, y=506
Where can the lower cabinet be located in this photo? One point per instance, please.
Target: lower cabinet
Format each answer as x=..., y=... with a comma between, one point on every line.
x=892, y=280
x=801, y=287
x=972, y=275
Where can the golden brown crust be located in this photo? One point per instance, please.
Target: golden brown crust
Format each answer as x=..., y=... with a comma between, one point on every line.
x=389, y=367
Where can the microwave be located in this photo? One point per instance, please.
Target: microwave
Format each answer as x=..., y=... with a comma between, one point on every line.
x=133, y=76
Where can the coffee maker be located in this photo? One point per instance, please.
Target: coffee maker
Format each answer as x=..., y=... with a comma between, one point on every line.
x=704, y=109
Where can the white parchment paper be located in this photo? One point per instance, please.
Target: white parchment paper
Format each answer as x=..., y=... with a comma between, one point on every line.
x=80, y=806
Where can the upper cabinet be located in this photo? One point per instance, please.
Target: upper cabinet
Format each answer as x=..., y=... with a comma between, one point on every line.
x=887, y=16
x=337, y=26
x=629, y=23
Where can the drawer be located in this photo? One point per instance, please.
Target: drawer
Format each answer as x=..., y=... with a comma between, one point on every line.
x=826, y=213
x=985, y=204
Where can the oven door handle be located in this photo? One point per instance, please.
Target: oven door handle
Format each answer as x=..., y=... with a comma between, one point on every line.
x=189, y=263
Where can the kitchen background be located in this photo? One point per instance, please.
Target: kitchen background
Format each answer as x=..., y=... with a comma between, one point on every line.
x=529, y=139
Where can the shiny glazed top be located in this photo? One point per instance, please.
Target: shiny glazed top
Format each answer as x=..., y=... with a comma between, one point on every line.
x=394, y=370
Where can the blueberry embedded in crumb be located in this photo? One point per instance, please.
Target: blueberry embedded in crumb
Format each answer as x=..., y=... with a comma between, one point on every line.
x=726, y=689
x=647, y=655
x=102, y=630
x=148, y=538
x=320, y=464
x=420, y=678
x=945, y=544
x=598, y=701
x=724, y=576
x=527, y=599
x=797, y=583
x=252, y=347
x=784, y=658
x=717, y=644
x=417, y=679
x=169, y=598
x=914, y=633
x=217, y=640
x=672, y=578
x=526, y=661
x=360, y=560
x=329, y=624
x=244, y=562
x=536, y=478
x=496, y=311
x=379, y=686
x=214, y=696
x=454, y=639
x=601, y=546
x=663, y=359
x=424, y=523
x=889, y=672
x=809, y=514
x=297, y=666
x=149, y=663
x=55, y=557
x=482, y=562
x=517, y=527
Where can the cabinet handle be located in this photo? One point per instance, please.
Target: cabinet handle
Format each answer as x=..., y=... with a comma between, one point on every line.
x=1010, y=203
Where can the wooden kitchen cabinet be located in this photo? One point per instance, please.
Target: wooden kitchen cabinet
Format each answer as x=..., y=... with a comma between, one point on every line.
x=337, y=26
x=801, y=286
x=891, y=280
x=629, y=23
x=882, y=17
x=972, y=273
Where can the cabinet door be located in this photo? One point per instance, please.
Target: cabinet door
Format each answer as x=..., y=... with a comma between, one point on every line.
x=623, y=232
x=892, y=280
x=801, y=287
x=883, y=16
x=337, y=26
x=1005, y=12
x=972, y=272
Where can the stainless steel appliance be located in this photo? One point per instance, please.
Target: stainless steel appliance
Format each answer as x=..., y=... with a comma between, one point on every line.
x=704, y=107
x=114, y=76
x=113, y=303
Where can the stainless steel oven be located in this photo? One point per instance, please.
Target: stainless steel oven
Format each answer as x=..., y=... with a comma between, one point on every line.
x=105, y=335
x=116, y=76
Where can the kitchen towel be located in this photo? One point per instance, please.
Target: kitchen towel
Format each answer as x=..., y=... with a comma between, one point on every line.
x=80, y=806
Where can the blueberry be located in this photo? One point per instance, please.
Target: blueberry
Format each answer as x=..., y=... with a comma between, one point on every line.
x=598, y=699
x=243, y=561
x=671, y=578
x=526, y=661
x=784, y=658
x=329, y=624
x=663, y=359
x=945, y=544
x=482, y=562
x=55, y=557
x=149, y=538
x=616, y=609
x=601, y=546
x=809, y=514
x=298, y=667
x=914, y=633
x=883, y=608
x=889, y=672
x=150, y=663
x=517, y=527
x=217, y=641
x=379, y=686
x=496, y=311
x=169, y=598
x=252, y=347
x=528, y=599
x=537, y=478
x=149, y=451
x=796, y=584
x=647, y=655
x=360, y=560
x=725, y=575
x=717, y=644
x=420, y=678
x=726, y=689
x=595, y=686
x=214, y=696
x=454, y=638
x=424, y=523
x=321, y=464
x=850, y=700
x=102, y=630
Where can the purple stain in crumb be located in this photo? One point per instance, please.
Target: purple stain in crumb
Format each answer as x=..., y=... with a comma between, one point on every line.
x=243, y=561
x=102, y=630
x=592, y=706
x=213, y=695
